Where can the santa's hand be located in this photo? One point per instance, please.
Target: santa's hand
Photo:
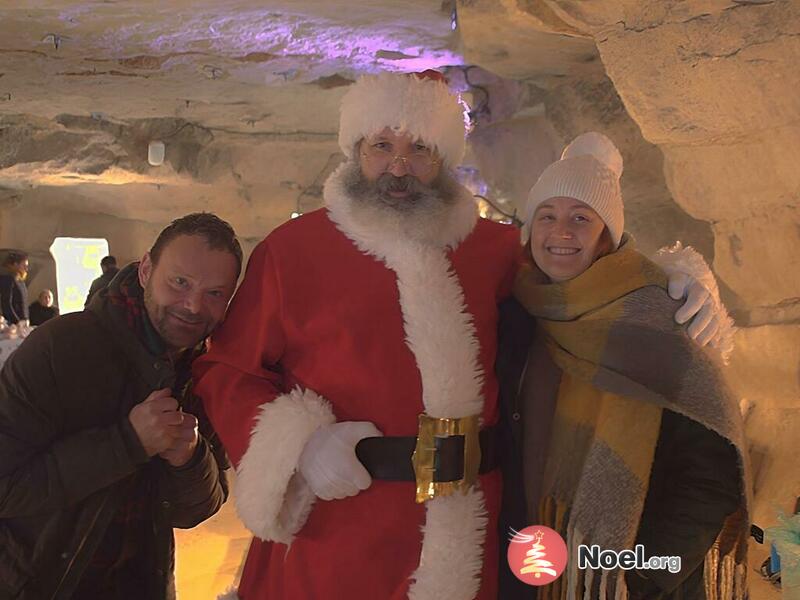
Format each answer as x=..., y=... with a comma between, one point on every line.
x=691, y=278
x=329, y=464
x=699, y=306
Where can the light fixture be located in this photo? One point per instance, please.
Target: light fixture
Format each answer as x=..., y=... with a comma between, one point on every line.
x=213, y=72
x=55, y=39
x=155, y=153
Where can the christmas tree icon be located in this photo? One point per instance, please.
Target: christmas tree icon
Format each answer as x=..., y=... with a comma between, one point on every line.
x=535, y=561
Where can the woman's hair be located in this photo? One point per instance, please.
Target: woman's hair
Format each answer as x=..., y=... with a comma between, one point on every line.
x=606, y=243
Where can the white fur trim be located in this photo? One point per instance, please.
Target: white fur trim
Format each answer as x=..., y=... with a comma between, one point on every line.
x=454, y=527
x=229, y=595
x=423, y=108
x=271, y=500
x=439, y=331
x=680, y=259
x=441, y=335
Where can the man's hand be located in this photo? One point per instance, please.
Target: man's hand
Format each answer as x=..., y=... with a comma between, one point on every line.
x=157, y=422
x=329, y=463
x=185, y=444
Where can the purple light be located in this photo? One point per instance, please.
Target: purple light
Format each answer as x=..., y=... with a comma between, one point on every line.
x=314, y=38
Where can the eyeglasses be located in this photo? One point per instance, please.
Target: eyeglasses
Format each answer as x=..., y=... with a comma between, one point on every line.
x=419, y=163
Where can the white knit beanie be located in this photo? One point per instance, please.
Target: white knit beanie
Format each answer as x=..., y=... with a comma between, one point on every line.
x=418, y=104
x=589, y=171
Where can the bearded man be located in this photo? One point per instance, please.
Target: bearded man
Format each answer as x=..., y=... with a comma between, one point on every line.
x=364, y=334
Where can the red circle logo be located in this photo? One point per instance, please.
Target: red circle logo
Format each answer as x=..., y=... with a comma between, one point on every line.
x=537, y=555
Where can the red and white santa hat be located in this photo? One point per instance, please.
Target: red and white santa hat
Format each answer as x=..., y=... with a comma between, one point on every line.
x=419, y=104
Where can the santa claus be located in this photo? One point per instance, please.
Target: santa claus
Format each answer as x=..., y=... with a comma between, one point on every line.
x=352, y=382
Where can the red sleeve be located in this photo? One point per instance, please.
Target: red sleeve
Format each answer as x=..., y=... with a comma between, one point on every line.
x=239, y=373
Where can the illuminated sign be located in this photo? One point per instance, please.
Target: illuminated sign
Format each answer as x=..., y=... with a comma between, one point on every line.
x=77, y=265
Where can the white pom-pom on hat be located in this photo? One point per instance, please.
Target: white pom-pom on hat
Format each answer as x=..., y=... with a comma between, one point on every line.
x=589, y=171
x=597, y=145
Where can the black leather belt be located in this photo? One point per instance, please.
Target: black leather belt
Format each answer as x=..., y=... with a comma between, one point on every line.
x=389, y=458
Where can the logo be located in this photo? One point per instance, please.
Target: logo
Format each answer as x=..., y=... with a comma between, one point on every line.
x=593, y=558
x=537, y=555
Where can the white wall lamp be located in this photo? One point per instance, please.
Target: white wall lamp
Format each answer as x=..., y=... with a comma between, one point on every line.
x=155, y=153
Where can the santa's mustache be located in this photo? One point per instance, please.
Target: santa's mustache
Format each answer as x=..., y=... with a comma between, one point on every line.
x=441, y=191
x=389, y=183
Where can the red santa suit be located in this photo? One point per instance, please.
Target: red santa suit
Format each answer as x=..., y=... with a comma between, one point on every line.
x=344, y=316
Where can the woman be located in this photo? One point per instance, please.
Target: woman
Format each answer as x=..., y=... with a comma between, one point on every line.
x=626, y=430
x=13, y=292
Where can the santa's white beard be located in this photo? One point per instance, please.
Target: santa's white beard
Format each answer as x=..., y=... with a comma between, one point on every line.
x=420, y=216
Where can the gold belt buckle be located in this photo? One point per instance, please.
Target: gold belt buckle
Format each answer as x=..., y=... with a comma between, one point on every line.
x=425, y=453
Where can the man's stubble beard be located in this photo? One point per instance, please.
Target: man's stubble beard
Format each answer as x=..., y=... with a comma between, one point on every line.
x=158, y=317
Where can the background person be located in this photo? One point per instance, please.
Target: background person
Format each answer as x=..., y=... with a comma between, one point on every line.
x=42, y=309
x=13, y=291
x=108, y=265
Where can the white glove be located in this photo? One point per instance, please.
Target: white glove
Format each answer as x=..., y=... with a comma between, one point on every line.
x=699, y=306
x=691, y=278
x=329, y=463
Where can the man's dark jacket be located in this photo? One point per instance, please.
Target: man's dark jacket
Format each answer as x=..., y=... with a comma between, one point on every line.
x=68, y=454
x=39, y=313
x=694, y=482
x=13, y=298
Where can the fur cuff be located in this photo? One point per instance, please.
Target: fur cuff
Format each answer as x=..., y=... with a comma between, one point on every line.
x=272, y=500
x=680, y=259
x=229, y=595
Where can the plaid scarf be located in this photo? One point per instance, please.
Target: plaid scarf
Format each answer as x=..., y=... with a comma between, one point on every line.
x=623, y=361
x=125, y=297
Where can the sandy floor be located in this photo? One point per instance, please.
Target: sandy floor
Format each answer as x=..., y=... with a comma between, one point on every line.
x=209, y=557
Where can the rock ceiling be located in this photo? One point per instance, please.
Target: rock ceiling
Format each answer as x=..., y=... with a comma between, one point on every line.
x=244, y=94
